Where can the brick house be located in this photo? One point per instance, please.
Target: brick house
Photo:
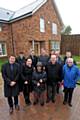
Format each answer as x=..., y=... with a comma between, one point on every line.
x=34, y=26
x=71, y=42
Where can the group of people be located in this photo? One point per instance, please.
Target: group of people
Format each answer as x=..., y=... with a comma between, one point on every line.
x=37, y=74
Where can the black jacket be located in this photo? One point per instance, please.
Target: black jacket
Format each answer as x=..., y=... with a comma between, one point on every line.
x=9, y=76
x=36, y=79
x=54, y=73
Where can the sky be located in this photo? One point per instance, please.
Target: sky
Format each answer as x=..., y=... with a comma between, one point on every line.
x=68, y=9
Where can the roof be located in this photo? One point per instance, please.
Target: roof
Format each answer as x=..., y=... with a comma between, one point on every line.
x=10, y=16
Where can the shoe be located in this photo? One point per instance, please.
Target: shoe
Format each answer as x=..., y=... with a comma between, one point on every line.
x=42, y=104
x=11, y=110
x=53, y=101
x=64, y=102
x=28, y=103
x=17, y=107
x=70, y=104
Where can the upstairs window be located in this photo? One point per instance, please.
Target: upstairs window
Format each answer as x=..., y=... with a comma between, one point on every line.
x=0, y=27
x=42, y=25
x=54, y=28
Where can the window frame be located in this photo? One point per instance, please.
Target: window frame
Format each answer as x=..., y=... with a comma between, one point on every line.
x=3, y=55
x=42, y=25
x=54, y=28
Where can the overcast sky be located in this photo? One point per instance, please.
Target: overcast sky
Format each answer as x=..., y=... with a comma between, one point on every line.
x=69, y=10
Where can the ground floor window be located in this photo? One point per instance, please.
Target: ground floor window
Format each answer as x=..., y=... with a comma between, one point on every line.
x=55, y=45
x=3, y=51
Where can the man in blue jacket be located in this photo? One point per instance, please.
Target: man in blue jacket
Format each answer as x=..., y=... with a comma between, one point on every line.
x=70, y=77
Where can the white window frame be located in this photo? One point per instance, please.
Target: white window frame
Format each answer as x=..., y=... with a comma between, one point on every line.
x=0, y=27
x=1, y=52
x=54, y=28
x=42, y=25
x=55, y=45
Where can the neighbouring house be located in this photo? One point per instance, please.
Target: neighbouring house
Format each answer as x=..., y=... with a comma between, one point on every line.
x=35, y=26
x=70, y=42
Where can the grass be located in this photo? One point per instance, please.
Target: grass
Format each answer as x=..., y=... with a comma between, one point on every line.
x=1, y=63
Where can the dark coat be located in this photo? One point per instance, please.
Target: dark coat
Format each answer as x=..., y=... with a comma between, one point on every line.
x=36, y=78
x=21, y=63
x=54, y=73
x=27, y=76
x=34, y=60
x=9, y=76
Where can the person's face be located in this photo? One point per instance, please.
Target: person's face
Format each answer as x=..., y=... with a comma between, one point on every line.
x=21, y=55
x=53, y=59
x=57, y=53
x=43, y=52
x=39, y=68
x=32, y=52
x=29, y=62
x=70, y=62
x=52, y=52
x=11, y=59
x=68, y=54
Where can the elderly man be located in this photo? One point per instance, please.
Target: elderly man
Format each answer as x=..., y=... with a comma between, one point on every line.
x=70, y=76
x=54, y=72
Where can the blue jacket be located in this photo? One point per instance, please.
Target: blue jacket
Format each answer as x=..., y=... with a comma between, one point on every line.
x=70, y=76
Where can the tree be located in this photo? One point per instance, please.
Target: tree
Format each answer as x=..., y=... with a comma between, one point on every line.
x=66, y=30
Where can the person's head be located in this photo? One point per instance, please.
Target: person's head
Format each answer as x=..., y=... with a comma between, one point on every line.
x=29, y=62
x=39, y=66
x=68, y=54
x=32, y=52
x=52, y=52
x=57, y=53
x=53, y=59
x=12, y=59
x=43, y=52
x=69, y=62
x=21, y=54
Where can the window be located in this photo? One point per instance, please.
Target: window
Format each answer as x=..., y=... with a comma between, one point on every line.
x=42, y=25
x=54, y=28
x=55, y=45
x=0, y=27
x=3, y=51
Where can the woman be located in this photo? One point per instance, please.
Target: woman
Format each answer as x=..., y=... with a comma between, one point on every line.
x=27, y=77
x=39, y=80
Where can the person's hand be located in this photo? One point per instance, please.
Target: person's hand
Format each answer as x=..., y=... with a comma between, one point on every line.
x=12, y=83
x=41, y=80
x=26, y=82
x=38, y=84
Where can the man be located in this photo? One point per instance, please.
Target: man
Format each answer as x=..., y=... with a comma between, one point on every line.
x=70, y=77
x=21, y=61
x=33, y=57
x=54, y=73
x=44, y=58
x=59, y=60
x=10, y=74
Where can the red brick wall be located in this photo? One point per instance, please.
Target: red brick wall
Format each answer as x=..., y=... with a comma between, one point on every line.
x=28, y=29
x=6, y=37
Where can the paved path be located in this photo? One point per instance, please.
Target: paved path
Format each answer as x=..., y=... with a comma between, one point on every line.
x=56, y=111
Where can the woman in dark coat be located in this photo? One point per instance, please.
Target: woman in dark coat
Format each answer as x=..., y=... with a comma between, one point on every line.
x=10, y=74
x=27, y=77
x=39, y=79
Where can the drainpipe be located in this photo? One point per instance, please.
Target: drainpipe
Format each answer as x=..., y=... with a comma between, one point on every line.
x=13, y=49
x=33, y=44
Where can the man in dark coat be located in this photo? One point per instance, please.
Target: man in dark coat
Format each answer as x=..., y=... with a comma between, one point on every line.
x=33, y=57
x=27, y=77
x=21, y=61
x=54, y=72
x=10, y=74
